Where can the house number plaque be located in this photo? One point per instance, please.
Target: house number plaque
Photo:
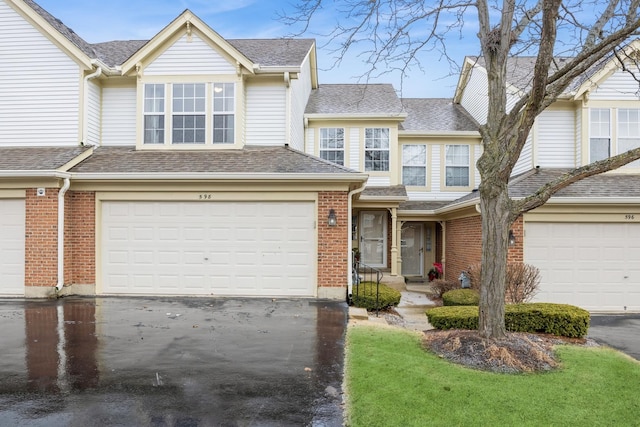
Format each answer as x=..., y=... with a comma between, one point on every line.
x=630, y=217
x=205, y=196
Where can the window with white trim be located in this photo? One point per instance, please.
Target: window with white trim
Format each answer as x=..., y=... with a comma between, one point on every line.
x=414, y=165
x=376, y=149
x=332, y=145
x=599, y=134
x=457, y=165
x=629, y=132
x=153, y=112
x=199, y=113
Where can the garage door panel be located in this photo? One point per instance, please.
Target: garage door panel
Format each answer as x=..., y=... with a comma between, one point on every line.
x=592, y=265
x=234, y=248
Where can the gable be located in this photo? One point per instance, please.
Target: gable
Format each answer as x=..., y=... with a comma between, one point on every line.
x=619, y=85
x=190, y=55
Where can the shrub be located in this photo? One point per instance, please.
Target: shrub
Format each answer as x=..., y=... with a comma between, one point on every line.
x=556, y=319
x=440, y=286
x=461, y=297
x=364, y=295
x=522, y=281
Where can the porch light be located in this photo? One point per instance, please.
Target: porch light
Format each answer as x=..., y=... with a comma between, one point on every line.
x=332, y=221
x=512, y=238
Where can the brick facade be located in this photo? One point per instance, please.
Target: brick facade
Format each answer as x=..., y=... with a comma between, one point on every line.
x=41, y=238
x=80, y=238
x=516, y=252
x=332, y=241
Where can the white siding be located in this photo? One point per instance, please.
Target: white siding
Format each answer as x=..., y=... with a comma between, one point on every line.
x=436, y=170
x=378, y=181
x=266, y=115
x=578, y=137
x=93, y=128
x=477, y=152
x=620, y=86
x=300, y=91
x=525, y=161
x=310, y=145
x=119, y=115
x=194, y=57
x=556, y=139
x=475, y=98
x=354, y=148
x=39, y=86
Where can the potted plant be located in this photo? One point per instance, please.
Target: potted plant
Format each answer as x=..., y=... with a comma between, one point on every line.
x=435, y=272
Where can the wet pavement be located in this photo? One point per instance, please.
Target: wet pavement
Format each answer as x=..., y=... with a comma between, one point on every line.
x=171, y=362
x=619, y=331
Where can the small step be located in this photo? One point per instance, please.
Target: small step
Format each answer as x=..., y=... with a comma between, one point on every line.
x=358, y=313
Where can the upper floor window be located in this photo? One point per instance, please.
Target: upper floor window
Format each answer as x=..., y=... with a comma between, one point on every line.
x=414, y=165
x=600, y=134
x=332, y=145
x=629, y=132
x=457, y=165
x=376, y=149
x=200, y=113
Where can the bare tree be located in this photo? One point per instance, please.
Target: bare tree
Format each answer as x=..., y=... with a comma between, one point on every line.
x=394, y=32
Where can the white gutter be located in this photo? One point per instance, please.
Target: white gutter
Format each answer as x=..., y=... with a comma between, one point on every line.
x=51, y=173
x=61, y=193
x=85, y=118
x=349, y=238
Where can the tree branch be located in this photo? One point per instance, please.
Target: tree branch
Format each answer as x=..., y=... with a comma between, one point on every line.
x=596, y=30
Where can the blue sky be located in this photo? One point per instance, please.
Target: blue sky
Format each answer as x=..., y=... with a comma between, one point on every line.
x=99, y=21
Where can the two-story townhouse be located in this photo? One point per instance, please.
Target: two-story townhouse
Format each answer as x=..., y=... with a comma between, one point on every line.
x=168, y=166
x=586, y=238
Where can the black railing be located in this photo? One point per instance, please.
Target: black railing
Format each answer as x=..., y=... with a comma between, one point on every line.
x=361, y=274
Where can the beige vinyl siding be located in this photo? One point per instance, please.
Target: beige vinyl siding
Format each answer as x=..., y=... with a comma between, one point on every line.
x=475, y=98
x=619, y=86
x=119, y=116
x=300, y=91
x=578, y=143
x=39, y=86
x=94, y=116
x=354, y=148
x=378, y=181
x=556, y=138
x=525, y=161
x=191, y=58
x=266, y=114
x=310, y=144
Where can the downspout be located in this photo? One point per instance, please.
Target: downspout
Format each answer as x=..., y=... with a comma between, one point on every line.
x=85, y=118
x=350, y=244
x=61, y=193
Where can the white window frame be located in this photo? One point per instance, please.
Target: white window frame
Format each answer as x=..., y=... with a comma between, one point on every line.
x=414, y=162
x=377, y=142
x=190, y=106
x=454, y=162
x=153, y=109
x=599, y=131
x=628, y=135
x=331, y=146
x=224, y=107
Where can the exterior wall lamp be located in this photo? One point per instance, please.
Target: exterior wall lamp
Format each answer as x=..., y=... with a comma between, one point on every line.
x=512, y=238
x=332, y=220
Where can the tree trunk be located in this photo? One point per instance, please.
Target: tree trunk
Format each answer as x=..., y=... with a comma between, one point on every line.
x=496, y=220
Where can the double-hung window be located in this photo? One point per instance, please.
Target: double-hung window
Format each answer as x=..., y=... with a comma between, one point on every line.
x=332, y=145
x=376, y=149
x=223, y=113
x=414, y=165
x=457, y=165
x=599, y=134
x=153, y=114
x=629, y=132
x=189, y=113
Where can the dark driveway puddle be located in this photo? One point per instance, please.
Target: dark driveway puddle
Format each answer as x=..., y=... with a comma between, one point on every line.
x=173, y=362
x=620, y=331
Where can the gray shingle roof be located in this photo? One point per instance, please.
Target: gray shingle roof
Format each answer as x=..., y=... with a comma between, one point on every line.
x=250, y=159
x=37, y=158
x=393, y=192
x=422, y=206
x=118, y=51
x=274, y=52
x=354, y=99
x=435, y=114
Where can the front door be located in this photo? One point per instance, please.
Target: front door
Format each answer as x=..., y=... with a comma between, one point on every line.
x=412, y=249
x=373, y=238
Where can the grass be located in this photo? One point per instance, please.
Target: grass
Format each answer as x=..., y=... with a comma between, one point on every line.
x=392, y=381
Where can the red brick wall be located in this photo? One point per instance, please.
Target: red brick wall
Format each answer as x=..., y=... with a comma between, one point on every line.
x=41, y=238
x=516, y=252
x=80, y=267
x=463, y=245
x=332, y=241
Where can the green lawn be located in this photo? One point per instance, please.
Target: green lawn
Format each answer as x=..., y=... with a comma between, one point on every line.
x=392, y=381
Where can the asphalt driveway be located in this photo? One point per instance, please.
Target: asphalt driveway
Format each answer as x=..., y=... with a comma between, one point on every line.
x=620, y=331
x=171, y=362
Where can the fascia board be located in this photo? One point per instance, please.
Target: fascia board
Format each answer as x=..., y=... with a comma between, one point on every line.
x=79, y=158
x=390, y=199
x=592, y=200
x=176, y=25
x=463, y=79
x=49, y=173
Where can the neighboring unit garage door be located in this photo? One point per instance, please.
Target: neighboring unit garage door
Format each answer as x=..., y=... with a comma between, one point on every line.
x=592, y=265
x=209, y=248
x=12, y=228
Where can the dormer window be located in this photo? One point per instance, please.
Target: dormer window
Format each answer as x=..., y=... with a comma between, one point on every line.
x=198, y=113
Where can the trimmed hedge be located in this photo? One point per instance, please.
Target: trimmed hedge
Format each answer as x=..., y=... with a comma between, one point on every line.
x=364, y=296
x=557, y=319
x=461, y=297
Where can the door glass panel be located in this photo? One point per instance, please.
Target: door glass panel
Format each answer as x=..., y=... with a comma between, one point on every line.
x=373, y=228
x=411, y=250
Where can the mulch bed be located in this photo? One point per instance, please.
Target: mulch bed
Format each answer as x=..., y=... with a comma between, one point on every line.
x=517, y=353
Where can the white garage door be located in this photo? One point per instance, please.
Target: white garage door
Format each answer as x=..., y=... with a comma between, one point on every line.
x=209, y=248
x=592, y=265
x=12, y=228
